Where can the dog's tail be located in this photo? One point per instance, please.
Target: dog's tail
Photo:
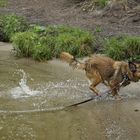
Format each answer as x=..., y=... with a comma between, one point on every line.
x=72, y=60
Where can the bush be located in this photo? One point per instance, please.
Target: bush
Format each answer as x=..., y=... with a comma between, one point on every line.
x=52, y=40
x=41, y=52
x=44, y=49
x=123, y=48
x=12, y=24
x=24, y=42
x=78, y=46
x=71, y=39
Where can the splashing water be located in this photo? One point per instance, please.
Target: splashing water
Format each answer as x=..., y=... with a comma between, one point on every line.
x=23, y=90
x=23, y=84
x=49, y=96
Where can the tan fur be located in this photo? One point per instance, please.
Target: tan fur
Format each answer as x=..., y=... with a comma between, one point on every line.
x=102, y=69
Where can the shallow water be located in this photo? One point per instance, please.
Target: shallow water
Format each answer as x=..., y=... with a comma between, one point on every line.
x=34, y=96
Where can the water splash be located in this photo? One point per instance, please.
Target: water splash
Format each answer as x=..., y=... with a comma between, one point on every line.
x=50, y=95
x=23, y=90
x=23, y=84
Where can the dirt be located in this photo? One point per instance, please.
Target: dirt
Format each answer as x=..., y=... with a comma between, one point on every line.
x=115, y=19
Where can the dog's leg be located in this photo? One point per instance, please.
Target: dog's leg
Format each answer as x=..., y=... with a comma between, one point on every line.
x=115, y=90
x=93, y=88
x=95, y=82
x=113, y=83
x=114, y=87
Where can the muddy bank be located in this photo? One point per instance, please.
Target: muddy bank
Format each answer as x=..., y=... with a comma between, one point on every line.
x=113, y=20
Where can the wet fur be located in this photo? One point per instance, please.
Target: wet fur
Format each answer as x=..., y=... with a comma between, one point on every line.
x=102, y=69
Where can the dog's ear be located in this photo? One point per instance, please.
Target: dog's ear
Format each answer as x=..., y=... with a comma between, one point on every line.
x=132, y=66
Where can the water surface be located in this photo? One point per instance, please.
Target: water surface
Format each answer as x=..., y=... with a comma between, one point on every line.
x=34, y=96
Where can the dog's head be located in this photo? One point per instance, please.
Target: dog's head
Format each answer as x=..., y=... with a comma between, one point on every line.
x=135, y=70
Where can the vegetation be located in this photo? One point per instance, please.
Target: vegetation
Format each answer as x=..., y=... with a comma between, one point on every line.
x=23, y=43
x=2, y=35
x=43, y=43
x=10, y=24
x=123, y=48
x=3, y=3
x=101, y=3
x=70, y=39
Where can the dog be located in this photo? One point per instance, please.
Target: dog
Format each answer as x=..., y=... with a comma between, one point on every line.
x=103, y=69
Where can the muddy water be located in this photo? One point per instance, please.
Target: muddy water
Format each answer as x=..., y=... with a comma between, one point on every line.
x=33, y=97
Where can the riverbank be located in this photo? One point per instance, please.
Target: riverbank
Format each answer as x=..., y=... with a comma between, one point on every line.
x=116, y=19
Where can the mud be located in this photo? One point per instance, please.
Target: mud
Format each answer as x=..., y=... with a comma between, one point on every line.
x=116, y=19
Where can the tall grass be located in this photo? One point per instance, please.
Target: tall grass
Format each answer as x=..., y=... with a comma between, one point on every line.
x=43, y=43
x=127, y=47
x=24, y=42
x=44, y=49
x=71, y=39
x=114, y=48
x=12, y=24
x=132, y=47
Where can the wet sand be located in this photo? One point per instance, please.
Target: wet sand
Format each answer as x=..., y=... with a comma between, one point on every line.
x=56, y=85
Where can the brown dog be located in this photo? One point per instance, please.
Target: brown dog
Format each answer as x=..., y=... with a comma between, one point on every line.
x=102, y=69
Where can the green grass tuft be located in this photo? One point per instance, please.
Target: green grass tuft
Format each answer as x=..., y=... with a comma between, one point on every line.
x=50, y=41
x=24, y=42
x=3, y=3
x=101, y=3
x=127, y=48
x=12, y=24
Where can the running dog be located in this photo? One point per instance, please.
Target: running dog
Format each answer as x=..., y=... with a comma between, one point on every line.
x=102, y=69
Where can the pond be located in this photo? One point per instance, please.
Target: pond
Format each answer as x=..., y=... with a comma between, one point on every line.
x=34, y=97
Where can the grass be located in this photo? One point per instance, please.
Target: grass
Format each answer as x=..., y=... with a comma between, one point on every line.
x=3, y=3
x=23, y=43
x=73, y=40
x=123, y=48
x=11, y=24
x=101, y=3
x=43, y=43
